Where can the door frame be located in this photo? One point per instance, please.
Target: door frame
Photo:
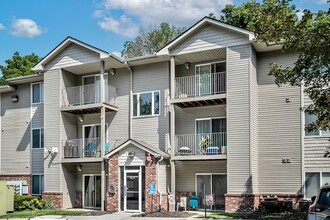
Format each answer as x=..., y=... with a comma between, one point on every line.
x=207, y=174
x=83, y=190
x=139, y=171
x=90, y=125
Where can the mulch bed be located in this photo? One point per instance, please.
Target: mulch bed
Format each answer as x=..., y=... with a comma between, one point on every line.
x=284, y=216
x=165, y=214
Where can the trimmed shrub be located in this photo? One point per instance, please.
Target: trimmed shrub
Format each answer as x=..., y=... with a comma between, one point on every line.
x=273, y=207
x=28, y=202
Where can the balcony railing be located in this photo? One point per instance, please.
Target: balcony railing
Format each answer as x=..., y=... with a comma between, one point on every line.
x=201, y=144
x=88, y=94
x=200, y=85
x=84, y=148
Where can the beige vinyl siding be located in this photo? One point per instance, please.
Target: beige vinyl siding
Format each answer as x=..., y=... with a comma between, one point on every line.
x=87, y=168
x=71, y=56
x=185, y=117
x=53, y=122
x=16, y=131
x=181, y=71
x=152, y=129
x=137, y=160
x=68, y=185
x=69, y=127
x=186, y=172
x=37, y=155
x=307, y=100
x=279, y=130
x=238, y=119
x=314, y=150
x=163, y=176
x=254, y=121
x=37, y=115
x=119, y=121
x=209, y=37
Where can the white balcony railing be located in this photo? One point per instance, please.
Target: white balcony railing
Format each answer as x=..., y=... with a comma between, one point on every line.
x=88, y=147
x=201, y=144
x=88, y=94
x=200, y=85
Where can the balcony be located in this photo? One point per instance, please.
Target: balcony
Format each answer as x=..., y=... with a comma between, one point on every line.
x=201, y=146
x=200, y=90
x=88, y=149
x=87, y=99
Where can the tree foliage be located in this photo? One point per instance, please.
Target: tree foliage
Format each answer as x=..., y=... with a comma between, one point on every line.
x=18, y=66
x=276, y=22
x=151, y=39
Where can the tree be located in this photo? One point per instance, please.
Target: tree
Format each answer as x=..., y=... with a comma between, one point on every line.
x=150, y=40
x=18, y=66
x=276, y=22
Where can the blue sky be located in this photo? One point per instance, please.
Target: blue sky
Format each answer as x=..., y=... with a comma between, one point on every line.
x=37, y=26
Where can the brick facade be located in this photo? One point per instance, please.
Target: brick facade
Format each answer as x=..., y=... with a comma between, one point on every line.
x=164, y=201
x=78, y=199
x=18, y=177
x=151, y=201
x=250, y=202
x=113, y=180
x=56, y=197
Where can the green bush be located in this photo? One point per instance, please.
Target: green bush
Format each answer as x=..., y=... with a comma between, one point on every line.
x=28, y=202
x=273, y=207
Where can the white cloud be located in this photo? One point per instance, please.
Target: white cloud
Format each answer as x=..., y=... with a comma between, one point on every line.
x=322, y=2
x=176, y=12
x=124, y=26
x=2, y=26
x=25, y=27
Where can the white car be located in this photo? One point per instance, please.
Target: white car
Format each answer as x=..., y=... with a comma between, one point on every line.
x=320, y=209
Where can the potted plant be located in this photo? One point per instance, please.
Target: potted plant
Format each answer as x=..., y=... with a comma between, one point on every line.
x=204, y=143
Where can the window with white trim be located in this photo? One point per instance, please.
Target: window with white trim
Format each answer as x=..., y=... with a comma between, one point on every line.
x=312, y=118
x=146, y=104
x=314, y=181
x=37, y=184
x=38, y=138
x=38, y=93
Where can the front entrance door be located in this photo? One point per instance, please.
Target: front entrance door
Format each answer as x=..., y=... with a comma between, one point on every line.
x=133, y=192
x=92, y=191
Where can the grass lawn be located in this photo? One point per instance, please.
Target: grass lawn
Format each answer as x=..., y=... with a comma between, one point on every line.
x=32, y=214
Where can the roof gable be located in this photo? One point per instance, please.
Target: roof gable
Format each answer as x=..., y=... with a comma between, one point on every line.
x=67, y=44
x=207, y=32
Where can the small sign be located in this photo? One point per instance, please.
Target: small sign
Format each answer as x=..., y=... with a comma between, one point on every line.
x=171, y=199
x=152, y=189
x=209, y=200
x=148, y=158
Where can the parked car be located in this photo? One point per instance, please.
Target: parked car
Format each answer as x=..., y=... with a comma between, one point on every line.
x=320, y=208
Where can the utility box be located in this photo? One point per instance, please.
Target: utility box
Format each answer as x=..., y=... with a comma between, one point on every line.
x=3, y=194
x=10, y=199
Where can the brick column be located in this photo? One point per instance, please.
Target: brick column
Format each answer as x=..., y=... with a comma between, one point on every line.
x=151, y=178
x=113, y=180
x=164, y=201
x=78, y=199
x=56, y=197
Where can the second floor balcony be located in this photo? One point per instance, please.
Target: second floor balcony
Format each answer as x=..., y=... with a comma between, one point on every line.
x=204, y=145
x=200, y=89
x=77, y=98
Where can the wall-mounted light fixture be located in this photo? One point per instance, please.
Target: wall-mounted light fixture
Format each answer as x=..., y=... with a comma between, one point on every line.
x=131, y=154
x=79, y=167
x=14, y=98
x=112, y=71
x=187, y=65
x=80, y=117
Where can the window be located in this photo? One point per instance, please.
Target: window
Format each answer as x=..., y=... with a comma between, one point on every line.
x=38, y=138
x=309, y=119
x=37, y=93
x=146, y=104
x=37, y=184
x=314, y=181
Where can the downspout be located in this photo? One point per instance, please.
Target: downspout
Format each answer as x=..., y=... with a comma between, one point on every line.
x=158, y=191
x=130, y=111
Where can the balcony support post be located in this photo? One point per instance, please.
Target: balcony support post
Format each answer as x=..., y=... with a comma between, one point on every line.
x=172, y=124
x=103, y=133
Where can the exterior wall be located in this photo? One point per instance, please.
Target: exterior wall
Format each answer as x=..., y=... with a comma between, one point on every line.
x=68, y=185
x=238, y=120
x=151, y=201
x=209, y=37
x=52, y=127
x=186, y=172
x=137, y=160
x=19, y=177
x=16, y=131
x=71, y=56
x=314, y=150
x=55, y=197
x=87, y=168
x=37, y=155
x=254, y=123
x=279, y=130
x=163, y=177
x=185, y=117
x=158, y=79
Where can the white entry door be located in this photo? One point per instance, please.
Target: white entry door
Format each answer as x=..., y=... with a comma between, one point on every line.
x=132, y=190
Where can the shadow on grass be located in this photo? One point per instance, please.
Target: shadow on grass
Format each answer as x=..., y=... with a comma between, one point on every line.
x=32, y=214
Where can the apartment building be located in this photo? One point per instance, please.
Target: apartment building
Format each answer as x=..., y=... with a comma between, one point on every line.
x=92, y=130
